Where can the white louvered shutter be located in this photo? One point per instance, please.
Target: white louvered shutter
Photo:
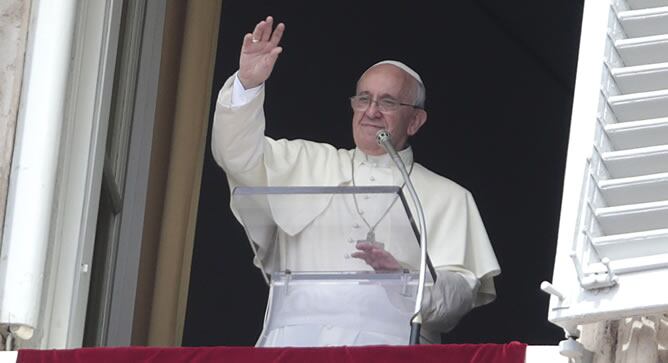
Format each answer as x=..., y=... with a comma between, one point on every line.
x=612, y=255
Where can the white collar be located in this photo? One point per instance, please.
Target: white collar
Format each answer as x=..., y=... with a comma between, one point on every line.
x=384, y=160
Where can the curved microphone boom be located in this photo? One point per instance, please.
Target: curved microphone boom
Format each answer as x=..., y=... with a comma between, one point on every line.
x=384, y=139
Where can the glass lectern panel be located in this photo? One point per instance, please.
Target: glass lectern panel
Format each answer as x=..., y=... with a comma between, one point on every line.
x=360, y=308
x=317, y=229
x=306, y=239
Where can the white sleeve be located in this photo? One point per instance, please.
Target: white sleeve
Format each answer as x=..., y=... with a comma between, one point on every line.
x=448, y=300
x=242, y=96
x=237, y=135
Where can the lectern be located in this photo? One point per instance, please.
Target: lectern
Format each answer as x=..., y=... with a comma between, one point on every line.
x=305, y=241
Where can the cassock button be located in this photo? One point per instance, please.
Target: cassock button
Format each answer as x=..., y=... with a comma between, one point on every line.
x=371, y=178
x=346, y=256
x=350, y=240
x=357, y=225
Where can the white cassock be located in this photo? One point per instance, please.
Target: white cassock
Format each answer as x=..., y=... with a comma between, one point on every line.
x=458, y=244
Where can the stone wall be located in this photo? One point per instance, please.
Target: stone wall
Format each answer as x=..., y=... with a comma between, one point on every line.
x=14, y=20
x=632, y=340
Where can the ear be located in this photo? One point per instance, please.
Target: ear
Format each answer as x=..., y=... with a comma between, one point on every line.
x=416, y=122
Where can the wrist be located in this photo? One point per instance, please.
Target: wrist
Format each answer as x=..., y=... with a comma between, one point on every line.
x=246, y=83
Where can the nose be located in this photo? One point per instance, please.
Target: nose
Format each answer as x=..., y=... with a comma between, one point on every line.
x=372, y=111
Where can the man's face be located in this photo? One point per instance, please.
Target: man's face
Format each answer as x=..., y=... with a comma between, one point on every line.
x=381, y=82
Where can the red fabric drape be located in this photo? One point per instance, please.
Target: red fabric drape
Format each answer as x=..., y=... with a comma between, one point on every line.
x=513, y=352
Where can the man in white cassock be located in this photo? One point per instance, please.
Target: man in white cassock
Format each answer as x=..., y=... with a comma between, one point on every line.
x=390, y=96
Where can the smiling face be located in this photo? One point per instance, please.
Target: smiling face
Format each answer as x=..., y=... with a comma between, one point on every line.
x=386, y=81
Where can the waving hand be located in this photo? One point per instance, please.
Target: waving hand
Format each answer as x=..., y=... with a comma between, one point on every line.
x=259, y=52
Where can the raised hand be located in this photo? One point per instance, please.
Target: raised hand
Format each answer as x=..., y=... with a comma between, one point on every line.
x=374, y=254
x=259, y=52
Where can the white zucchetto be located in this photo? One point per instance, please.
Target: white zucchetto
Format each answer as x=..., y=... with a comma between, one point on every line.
x=404, y=67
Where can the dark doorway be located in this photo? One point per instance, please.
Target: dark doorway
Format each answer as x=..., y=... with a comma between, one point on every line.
x=499, y=80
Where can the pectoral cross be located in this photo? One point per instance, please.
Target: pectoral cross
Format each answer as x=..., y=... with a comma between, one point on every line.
x=371, y=237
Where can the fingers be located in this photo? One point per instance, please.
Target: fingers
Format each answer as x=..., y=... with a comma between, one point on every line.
x=368, y=258
x=364, y=246
x=277, y=34
x=270, y=59
x=248, y=40
x=259, y=30
x=363, y=256
x=263, y=32
x=259, y=51
x=275, y=52
x=266, y=31
x=376, y=257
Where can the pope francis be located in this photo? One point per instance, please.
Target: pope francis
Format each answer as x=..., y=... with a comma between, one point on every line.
x=391, y=96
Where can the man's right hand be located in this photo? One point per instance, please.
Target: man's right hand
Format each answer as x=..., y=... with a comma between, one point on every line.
x=259, y=52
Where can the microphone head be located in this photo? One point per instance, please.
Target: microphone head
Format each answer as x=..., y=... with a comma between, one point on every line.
x=383, y=136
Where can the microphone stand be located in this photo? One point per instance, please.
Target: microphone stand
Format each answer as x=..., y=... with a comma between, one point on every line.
x=384, y=139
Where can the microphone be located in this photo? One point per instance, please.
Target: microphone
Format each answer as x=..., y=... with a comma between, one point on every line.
x=384, y=139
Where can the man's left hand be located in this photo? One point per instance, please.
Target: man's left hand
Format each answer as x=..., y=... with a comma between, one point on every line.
x=374, y=254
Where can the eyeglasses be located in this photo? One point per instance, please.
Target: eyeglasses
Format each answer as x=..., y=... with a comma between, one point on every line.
x=362, y=102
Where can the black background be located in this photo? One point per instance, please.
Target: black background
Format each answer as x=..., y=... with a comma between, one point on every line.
x=499, y=78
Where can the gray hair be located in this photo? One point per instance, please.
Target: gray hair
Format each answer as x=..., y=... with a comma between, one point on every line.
x=421, y=95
